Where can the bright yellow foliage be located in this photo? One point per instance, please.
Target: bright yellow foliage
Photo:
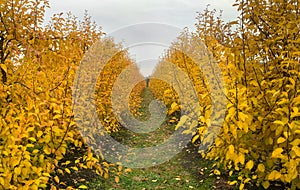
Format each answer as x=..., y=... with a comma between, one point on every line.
x=259, y=58
x=37, y=68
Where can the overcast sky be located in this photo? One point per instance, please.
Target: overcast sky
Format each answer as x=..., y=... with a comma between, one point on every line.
x=114, y=16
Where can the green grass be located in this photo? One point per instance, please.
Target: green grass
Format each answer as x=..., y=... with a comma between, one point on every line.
x=185, y=170
x=181, y=172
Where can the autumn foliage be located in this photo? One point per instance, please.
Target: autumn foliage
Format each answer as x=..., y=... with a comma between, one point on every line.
x=38, y=65
x=259, y=58
x=257, y=144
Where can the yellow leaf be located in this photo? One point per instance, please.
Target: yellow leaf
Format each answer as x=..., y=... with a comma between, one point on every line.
x=241, y=186
x=117, y=179
x=57, y=116
x=29, y=129
x=29, y=145
x=261, y=168
x=174, y=108
x=231, y=149
x=295, y=142
x=277, y=153
x=274, y=175
x=296, y=149
x=249, y=165
x=181, y=122
x=194, y=124
x=217, y=172
x=127, y=170
x=292, y=172
x=67, y=162
x=17, y=170
x=32, y=139
x=2, y=182
x=233, y=182
x=47, y=150
x=105, y=176
x=120, y=168
x=39, y=134
x=266, y=184
x=281, y=140
x=67, y=170
x=60, y=171
x=47, y=138
x=247, y=180
x=195, y=138
x=83, y=187
x=279, y=130
x=269, y=141
x=278, y=122
x=56, y=179
x=46, y=174
x=230, y=153
x=241, y=158
x=74, y=168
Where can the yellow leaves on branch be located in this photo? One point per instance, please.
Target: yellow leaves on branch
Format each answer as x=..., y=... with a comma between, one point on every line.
x=263, y=108
x=261, y=131
x=230, y=152
x=36, y=119
x=274, y=175
x=174, y=107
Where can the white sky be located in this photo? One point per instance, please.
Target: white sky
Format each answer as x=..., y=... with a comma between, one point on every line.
x=113, y=15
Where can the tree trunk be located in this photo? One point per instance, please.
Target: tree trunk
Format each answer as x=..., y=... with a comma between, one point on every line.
x=3, y=73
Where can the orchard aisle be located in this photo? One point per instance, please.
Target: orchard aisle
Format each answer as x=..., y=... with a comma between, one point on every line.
x=184, y=171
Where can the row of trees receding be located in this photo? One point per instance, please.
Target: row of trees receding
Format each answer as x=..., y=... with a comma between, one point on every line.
x=258, y=142
x=39, y=142
x=258, y=54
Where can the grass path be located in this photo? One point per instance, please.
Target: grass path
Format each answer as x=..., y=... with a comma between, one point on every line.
x=186, y=170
